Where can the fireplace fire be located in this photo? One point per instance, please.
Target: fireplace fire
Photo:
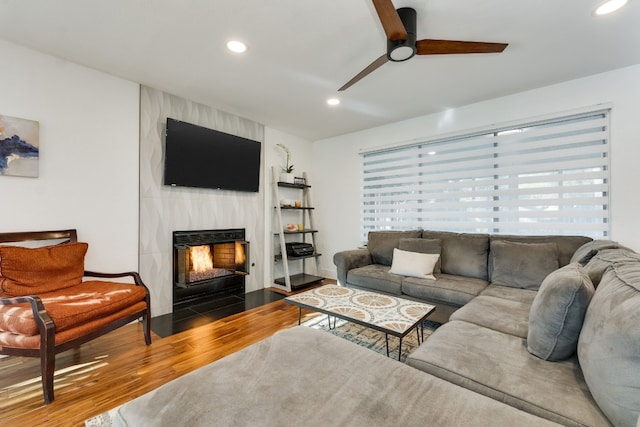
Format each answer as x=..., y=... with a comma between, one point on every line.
x=203, y=262
x=201, y=267
x=208, y=263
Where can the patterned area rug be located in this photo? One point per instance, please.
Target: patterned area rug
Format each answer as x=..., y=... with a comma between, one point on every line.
x=102, y=420
x=360, y=335
x=370, y=338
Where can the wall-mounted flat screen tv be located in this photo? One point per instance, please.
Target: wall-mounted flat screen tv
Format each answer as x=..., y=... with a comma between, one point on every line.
x=196, y=156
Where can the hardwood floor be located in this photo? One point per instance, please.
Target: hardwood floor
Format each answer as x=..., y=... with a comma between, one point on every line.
x=118, y=367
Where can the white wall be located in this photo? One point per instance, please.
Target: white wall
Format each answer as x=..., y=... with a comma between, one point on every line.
x=337, y=160
x=88, y=169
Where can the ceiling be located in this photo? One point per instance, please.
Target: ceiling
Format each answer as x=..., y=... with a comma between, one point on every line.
x=301, y=51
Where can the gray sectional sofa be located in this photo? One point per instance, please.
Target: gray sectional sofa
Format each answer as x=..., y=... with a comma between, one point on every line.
x=464, y=270
x=549, y=325
x=546, y=333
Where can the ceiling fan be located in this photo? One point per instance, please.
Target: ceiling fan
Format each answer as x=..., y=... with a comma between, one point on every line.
x=400, y=28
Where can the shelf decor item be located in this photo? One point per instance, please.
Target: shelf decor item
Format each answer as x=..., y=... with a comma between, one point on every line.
x=287, y=171
x=291, y=227
x=299, y=181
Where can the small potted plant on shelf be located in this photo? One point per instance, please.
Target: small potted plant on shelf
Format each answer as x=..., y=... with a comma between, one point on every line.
x=287, y=171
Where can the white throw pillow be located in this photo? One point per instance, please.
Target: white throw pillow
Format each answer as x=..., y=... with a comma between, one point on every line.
x=413, y=264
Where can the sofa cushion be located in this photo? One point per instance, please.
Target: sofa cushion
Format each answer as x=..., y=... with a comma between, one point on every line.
x=507, y=292
x=463, y=254
x=72, y=306
x=382, y=243
x=375, y=277
x=522, y=265
x=413, y=264
x=424, y=246
x=304, y=377
x=498, y=365
x=10, y=339
x=557, y=313
x=33, y=271
x=503, y=315
x=449, y=289
x=609, y=345
x=585, y=252
x=567, y=245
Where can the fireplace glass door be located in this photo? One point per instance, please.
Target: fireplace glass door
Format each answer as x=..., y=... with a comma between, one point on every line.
x=199, y=263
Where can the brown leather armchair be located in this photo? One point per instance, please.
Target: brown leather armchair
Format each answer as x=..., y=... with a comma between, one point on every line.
x=46, y=306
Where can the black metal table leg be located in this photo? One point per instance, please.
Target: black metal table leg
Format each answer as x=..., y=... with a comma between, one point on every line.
x=299, y=315
x=386, y=337
x=400, y=349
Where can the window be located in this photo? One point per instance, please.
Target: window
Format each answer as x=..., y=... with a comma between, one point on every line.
x=549, y=177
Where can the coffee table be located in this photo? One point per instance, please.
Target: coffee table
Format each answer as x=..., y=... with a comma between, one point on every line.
x=385, y=313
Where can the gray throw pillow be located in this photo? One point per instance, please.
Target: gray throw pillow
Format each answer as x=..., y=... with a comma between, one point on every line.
x=462, y=254
x=522, y=265
x=382, y=243
x=557, y=313
x=423, y=246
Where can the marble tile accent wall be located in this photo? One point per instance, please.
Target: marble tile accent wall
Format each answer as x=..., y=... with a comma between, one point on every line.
x=164, y=209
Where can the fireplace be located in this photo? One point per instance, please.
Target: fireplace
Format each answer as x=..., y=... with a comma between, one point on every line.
x=208, y=264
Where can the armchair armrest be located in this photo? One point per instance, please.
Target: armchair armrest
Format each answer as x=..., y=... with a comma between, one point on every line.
x=136, y=277
x=348, y=260
x=45, y=324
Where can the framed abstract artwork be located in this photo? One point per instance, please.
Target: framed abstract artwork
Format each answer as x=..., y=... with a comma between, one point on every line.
x=19, y=146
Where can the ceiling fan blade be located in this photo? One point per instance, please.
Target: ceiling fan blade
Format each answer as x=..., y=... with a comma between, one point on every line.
x=390, y=20
x=371, y=68
x=443, y=47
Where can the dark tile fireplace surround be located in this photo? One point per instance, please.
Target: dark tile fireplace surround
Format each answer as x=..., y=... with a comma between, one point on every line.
x=209, y=272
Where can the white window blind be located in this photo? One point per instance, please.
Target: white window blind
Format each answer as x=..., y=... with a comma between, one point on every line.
x=549, y=177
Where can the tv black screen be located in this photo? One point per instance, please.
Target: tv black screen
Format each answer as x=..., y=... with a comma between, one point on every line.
x=196, y=156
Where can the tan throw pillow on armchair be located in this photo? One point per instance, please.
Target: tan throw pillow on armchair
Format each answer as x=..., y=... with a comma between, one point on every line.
x=29, y=271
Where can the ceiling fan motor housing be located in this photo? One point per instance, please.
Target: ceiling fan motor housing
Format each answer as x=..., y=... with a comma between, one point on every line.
x=401, y=50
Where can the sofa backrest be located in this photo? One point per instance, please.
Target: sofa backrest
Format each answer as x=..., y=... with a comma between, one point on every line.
x=604, y=258
x=382, y=243
x=567, y=245
x=462, y=254
x=609, y=343
x=466, y=254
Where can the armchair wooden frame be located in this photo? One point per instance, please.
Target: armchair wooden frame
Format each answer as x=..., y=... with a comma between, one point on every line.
x=48, y=348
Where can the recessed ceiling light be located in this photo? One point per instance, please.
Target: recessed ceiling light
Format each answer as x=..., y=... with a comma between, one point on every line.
x=333, y=101
x=236, y=46
x=609, y=6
